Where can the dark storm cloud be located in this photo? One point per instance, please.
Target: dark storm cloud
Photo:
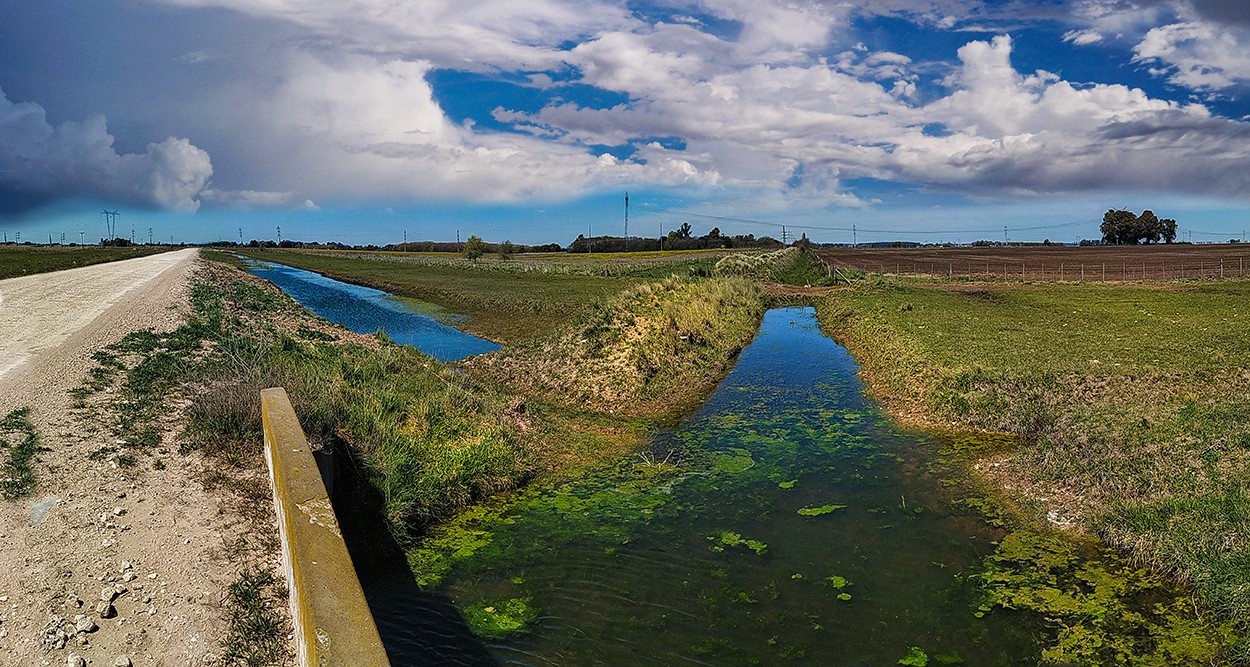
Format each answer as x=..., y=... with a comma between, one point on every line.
x=41, y=163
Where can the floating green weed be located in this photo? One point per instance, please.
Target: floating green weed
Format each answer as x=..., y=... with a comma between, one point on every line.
x=732, y=539
x=500, y=618
x=820, y=510
x=916, y=657
x=1095, y=605
x=838, y=582
x=731, y=463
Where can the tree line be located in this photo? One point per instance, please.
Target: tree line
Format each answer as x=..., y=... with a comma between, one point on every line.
x=681, y=238
x=1121, y=227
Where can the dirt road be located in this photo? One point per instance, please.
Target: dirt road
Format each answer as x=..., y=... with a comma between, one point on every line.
x=154, y=541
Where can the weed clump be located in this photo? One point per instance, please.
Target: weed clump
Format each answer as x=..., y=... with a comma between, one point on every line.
x=257, y=636
x=18, y=478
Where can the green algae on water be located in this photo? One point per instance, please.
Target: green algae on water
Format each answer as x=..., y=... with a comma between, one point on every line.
x=1094, y=605
x=818, y=511
x=916, y=657
x=740, y=461
x=838, y=582
x=732, y=539
x=500, y=618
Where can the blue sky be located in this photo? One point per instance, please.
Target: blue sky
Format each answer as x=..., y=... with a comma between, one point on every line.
x=365, y=120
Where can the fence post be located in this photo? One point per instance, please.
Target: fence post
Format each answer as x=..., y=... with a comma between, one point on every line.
x=1082, y=273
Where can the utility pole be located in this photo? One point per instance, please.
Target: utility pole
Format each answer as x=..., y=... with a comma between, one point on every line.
x=110, y=222
x=149, y=236
x=82, y=238
x=785, y=236
x=240, y=236
x=1004, y=234
x=132, y=236
x=627, y=214
x=49, y=238
x=279, y=234
x=62, y=238
x=854, y=236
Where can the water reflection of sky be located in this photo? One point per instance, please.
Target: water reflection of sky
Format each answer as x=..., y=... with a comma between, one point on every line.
x=367, y=310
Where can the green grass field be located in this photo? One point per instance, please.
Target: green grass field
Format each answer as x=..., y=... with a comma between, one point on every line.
x=1134, y=404
x=18, y=260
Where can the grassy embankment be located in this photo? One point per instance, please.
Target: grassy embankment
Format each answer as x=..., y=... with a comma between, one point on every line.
x=1133, y=403
x=431, y=439
x=27, y=260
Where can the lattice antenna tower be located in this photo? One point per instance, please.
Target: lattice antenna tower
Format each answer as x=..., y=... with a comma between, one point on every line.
x=110, y=222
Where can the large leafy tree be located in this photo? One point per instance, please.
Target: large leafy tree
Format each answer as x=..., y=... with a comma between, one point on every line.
x=1125, y=228
x=474, y=247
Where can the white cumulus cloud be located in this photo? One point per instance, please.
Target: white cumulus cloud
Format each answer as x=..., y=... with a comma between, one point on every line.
x=1198, y=55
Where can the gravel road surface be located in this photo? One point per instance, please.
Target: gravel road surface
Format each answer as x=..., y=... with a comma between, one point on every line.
x=152, y=545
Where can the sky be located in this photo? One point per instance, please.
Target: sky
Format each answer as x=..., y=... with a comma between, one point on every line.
x=376, y=121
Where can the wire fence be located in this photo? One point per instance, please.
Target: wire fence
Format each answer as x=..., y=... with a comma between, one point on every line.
x=1118, y=271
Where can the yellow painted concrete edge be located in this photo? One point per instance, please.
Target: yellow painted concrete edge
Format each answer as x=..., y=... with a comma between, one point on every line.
x=333, y=624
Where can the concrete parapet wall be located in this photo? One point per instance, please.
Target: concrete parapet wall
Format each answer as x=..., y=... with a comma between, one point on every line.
x=333, y=624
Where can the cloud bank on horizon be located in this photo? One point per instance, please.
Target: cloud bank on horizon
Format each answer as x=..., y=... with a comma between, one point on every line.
x=796, y=104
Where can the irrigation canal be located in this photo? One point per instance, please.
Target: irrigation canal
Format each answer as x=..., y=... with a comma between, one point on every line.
x=787, y=522
x=367, y=310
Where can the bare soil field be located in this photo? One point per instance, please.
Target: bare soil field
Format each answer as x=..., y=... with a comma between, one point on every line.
x=1051, y=263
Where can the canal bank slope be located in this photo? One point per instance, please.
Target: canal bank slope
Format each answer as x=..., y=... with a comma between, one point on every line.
x=1131, y=402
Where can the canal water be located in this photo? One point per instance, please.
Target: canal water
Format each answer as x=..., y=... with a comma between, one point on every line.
x=367, y=310
x=785, y=522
